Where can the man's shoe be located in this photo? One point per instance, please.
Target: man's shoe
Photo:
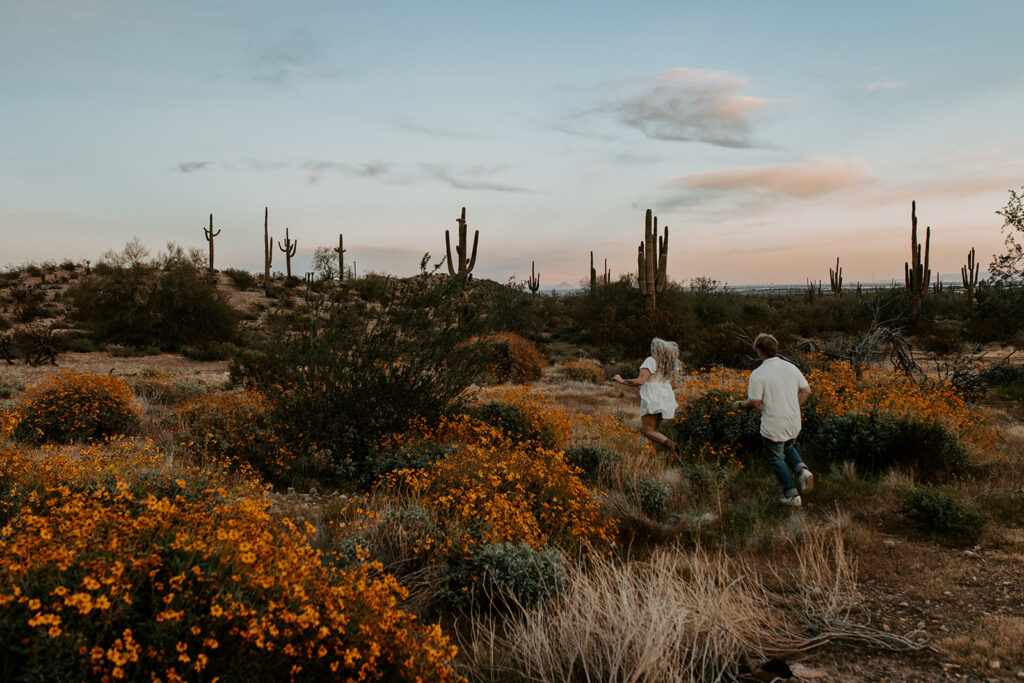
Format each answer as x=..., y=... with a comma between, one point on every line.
x=805, y=481
x=792, y=501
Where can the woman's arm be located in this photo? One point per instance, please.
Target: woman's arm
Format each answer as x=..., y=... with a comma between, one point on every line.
x=645, y=375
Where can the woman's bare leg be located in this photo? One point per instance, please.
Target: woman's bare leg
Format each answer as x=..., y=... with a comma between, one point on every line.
x=650, y=423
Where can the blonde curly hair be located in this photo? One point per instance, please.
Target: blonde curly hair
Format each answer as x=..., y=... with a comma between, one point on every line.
x=666, y=355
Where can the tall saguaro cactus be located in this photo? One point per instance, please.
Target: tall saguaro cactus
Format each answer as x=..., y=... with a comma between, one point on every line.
x=593, y=275
x=969, y=274
x=835, y=278
x=465, y=266
x=607, y=273
x=209, y=235
x=652, y=261
x=340, y=249
x=268, y=248
x=918, y=274
x=534, y=282
x=289, y=250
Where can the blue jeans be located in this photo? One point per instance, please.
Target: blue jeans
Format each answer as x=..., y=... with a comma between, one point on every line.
x=781, y=456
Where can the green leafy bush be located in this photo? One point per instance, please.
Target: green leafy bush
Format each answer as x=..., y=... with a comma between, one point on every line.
x=950, y=519
x=507, y=574
x=876, y=442
x=710, y=420
x=242, y=279
x=649, y=494
x=137, y=305
x=342, y=378
x=592, y=459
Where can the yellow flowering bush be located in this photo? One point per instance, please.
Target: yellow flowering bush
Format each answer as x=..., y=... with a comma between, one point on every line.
x=100, y=581
x=582, y=371
x=533, y=417
x=74, y=406
x=236, y=428
x=509, y=357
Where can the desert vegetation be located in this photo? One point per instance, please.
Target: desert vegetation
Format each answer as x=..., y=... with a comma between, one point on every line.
x=429, y=478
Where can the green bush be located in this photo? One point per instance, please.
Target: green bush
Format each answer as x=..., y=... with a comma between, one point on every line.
x=946, y=517
x=591, y=459
x=875, y=443
x=138, y=306
x=242, y=279
x=342, y=378
x=649, y=494
x=506, y=575
x=710, y=420
x=515, y=423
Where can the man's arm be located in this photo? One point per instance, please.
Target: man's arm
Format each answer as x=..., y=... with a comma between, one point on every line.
x=749, y=403
x=803, y=395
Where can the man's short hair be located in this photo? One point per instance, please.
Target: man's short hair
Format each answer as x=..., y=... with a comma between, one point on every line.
x=767, y=344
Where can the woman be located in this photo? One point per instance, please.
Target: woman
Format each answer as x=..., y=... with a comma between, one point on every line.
x=656, y=381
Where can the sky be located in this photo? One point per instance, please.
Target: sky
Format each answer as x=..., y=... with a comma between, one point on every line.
x=770, y=137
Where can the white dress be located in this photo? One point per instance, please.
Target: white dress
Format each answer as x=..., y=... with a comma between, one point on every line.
x=656, y=395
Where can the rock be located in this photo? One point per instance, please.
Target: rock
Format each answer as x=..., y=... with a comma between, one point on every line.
x=886, y=628
x=994, y=664
x=806, y=673
x=889, y=543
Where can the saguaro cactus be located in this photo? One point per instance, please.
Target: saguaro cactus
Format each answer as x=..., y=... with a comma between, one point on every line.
x=918, y=274
x=465, y=267
x=835, y=278
x=268, y=249
x=593, y=275
x=289, y=250
x=969, y=274
x=652, y=261
x=607, y=273
x=341, y=257
x=534, y=282
x=209, y=235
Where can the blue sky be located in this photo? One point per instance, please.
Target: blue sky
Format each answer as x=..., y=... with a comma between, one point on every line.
x=770, y=137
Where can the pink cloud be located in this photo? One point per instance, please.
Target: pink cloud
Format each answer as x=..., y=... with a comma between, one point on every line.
x=804, y=179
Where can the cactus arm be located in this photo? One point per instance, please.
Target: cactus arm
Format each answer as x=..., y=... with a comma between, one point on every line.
x=472, y=259
x=640, y=270
x=448, y=250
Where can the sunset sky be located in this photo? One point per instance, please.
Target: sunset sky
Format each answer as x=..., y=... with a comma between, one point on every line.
x=771, y=137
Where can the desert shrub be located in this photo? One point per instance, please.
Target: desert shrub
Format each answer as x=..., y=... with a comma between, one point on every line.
x=626, y=368
x=875, y=442
x=506, y=574
x=409, y=456
x=157, y=386
x=9, y=387
x=101, y=584
x=238, y=429
x=507, y=357
x=73, y=406
x=710, y=421
x=525, y=415
x=242, y=279
x=119, y=351
x=137, y=305
x=209, y=351
x=344, y=379
x=494, y=492
x=29, y=302
x=648, y=494
x=946, y=517
x=1008, y=381
x=515, y=423
x=998, y=314
x=592, y=459
x=582, y=371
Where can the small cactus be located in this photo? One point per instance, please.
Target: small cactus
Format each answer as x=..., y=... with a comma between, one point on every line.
x=341, y=257
x=209, y=234
x=916, y=271
x=268, y=249
x=652, y=261
x=288, y=248
x=534, y=282
x=835, y=278
x=465, y=267
x=969, y=274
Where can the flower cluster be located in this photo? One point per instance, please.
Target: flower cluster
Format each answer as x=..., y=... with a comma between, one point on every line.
x=100, y=581
x=235, y=428
x=74, y=406
x=536, y=408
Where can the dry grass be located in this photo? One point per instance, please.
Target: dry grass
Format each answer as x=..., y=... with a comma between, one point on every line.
x=673, y=617
x=998, y=642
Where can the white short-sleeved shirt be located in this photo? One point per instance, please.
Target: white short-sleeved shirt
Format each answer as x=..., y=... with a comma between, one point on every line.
x=777, y=383
x=656, y=395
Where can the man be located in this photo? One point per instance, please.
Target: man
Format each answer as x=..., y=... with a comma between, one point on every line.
x=778, y=388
